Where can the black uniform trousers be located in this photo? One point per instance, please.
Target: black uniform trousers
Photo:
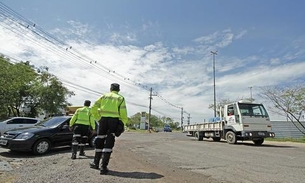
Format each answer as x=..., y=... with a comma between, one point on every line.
x=106, y=134
x=80, y=137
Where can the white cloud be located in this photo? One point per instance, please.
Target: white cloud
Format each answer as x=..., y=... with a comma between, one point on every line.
x=275, y=61
x=79, y=28
x=241, y=34
x=207, y=39
x=118, y=38
x=182, y=80
x=76, y=29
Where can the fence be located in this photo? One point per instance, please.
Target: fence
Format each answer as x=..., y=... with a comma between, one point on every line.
x=284, y=129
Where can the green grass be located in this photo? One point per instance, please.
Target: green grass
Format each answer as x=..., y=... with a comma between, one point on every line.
x=287, y=139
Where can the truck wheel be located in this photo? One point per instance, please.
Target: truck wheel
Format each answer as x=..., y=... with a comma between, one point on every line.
x=42, y=146
x=198, y=136
x=231, y=137
x=258, y=142
x=216, y=139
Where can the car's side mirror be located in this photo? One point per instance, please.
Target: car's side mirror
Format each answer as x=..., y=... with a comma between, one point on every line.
x=65, y=127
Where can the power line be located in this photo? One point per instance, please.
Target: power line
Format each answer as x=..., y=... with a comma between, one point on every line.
x=58, y=46
x=30, y=24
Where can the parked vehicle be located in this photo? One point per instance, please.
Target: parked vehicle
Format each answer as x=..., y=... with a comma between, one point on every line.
x=241, y=120
x=42, y=137
x=167, y=129
x=16, y=122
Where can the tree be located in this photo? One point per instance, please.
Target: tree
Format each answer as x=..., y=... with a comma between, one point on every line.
x=16, y=79
x=174, y=125
x=288, y=102
x=23, y=85
x=48, y=95
x=4, y=83
x=166, y=119
x=155, y=121
x=24, y=75
x=134, y=120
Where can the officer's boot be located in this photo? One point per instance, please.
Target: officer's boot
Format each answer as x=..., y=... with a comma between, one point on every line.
x=95, y=163
x=82, y=150
x=105, y=161
x=74, y=151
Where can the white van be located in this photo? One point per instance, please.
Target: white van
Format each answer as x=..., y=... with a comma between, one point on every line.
x=16, y=122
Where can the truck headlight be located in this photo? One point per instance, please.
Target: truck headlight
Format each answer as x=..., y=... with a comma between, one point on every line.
x=24, y=136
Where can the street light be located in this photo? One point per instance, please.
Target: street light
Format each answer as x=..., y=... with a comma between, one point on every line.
x=214, y=53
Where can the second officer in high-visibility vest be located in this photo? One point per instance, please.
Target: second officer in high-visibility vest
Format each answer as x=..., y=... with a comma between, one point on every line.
x=109, y=109
x=81, y=122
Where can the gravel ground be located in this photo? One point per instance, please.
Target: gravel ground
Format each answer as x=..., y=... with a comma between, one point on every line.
x=127, y=164
x=164, y=157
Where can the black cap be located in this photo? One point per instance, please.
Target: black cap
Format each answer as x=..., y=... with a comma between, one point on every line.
x=115, y=87
x=87, y=103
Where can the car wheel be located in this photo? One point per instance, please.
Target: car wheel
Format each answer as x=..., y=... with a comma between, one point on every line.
x=42, y=146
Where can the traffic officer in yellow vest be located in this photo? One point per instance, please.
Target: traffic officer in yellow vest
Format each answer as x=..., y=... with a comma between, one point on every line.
x=109, y=109
x=80, y=123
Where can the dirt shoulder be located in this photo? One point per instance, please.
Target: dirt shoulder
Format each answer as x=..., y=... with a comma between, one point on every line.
x=127, y=165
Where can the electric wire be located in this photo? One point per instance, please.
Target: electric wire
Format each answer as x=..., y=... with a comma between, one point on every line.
x=8, y=10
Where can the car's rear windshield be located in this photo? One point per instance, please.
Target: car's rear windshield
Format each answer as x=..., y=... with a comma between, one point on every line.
x=52, y=122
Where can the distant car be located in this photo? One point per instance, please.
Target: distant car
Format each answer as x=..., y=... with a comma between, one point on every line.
x=167, y=129
x=42, y=137
x=16, y=122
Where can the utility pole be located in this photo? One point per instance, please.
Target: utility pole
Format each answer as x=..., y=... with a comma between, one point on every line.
x=214, y=53
x=189, y=119
x=149, y=113
x=182, y=118
x=250, y=93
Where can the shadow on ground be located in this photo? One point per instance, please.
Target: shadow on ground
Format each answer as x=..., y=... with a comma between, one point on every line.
x=135, y=175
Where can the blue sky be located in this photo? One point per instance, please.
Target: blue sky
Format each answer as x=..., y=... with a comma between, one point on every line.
x=164, y=45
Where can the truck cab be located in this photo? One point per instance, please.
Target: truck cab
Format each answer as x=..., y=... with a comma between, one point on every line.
x=244, y=120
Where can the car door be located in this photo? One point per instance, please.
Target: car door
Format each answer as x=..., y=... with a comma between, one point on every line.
x=63, y=136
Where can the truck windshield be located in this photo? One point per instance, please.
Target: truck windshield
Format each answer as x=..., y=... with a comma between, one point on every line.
x=252, y=110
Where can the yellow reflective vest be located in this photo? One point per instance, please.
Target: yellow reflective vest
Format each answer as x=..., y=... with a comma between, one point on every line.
x=83, y=116
x=111, y=104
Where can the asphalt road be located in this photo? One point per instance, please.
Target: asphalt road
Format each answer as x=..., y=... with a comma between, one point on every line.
x=172, y=157
x=272, y=162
